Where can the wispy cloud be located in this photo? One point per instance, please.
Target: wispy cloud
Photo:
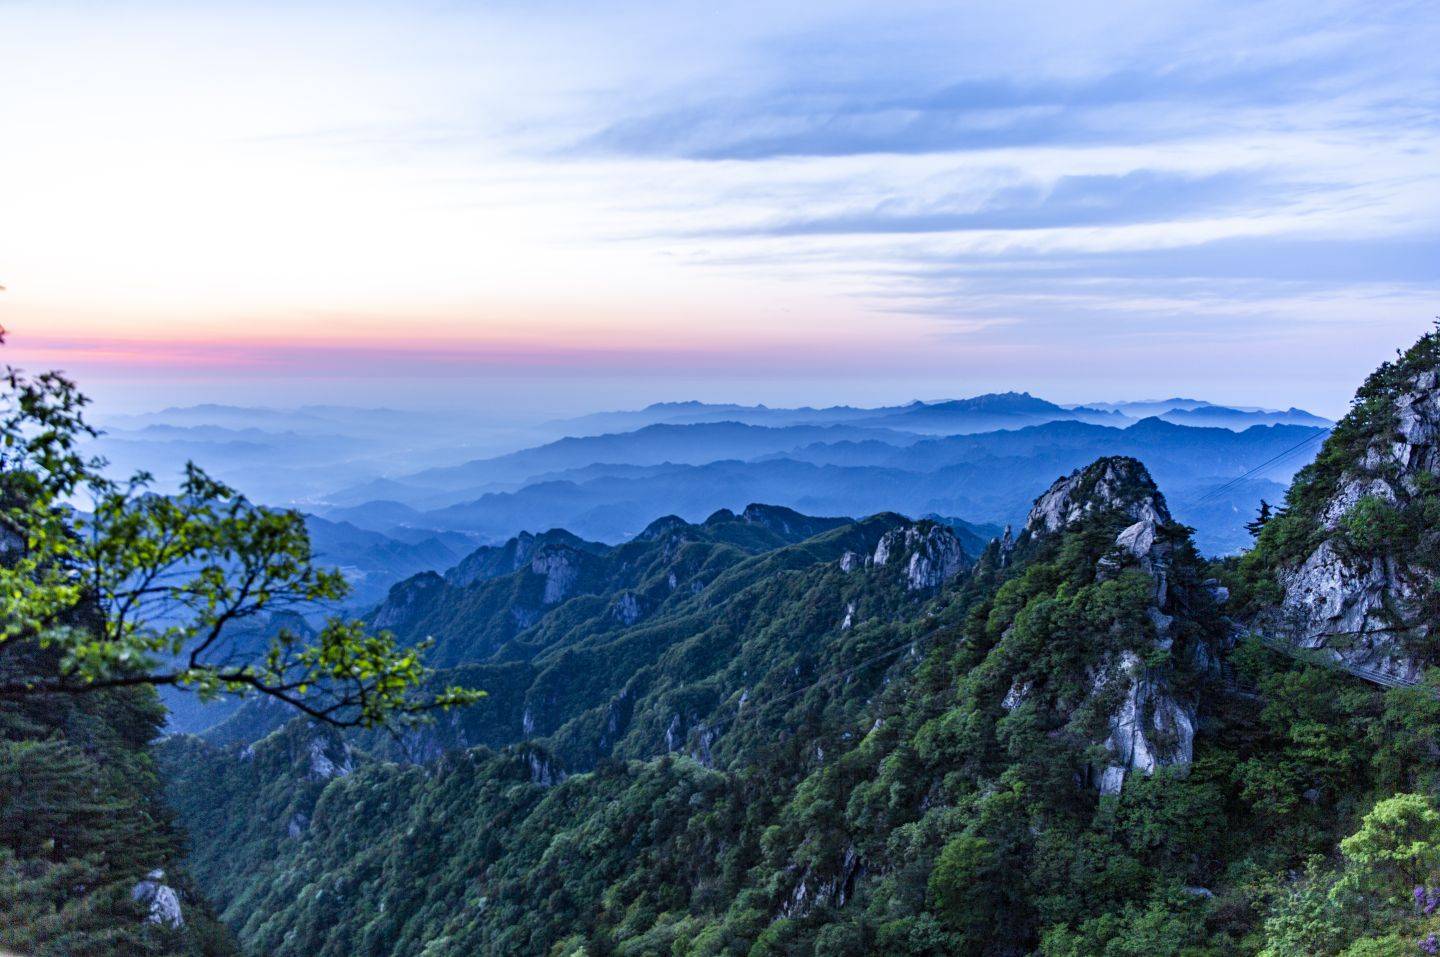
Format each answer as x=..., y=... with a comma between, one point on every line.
x=678, y=182
x=1138, y=196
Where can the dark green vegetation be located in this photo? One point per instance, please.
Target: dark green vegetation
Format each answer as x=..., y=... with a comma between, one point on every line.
x=769, y=734
x=1067, y=748
x=99, y=609
x=82, y=823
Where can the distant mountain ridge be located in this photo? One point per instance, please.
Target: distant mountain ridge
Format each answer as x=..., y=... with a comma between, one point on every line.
x=977, y=413
x=985, y=477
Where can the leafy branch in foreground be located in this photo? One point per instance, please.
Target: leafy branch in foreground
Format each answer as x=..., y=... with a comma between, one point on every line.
x=150, y=589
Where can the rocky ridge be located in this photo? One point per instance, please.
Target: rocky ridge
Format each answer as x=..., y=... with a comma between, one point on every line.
x=1361, y=586
x=1153, y=725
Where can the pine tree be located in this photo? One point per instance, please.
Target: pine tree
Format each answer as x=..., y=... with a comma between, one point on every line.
x=1261, y=519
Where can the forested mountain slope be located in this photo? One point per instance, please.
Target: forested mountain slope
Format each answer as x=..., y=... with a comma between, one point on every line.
x=89, y=863
x=858, y=740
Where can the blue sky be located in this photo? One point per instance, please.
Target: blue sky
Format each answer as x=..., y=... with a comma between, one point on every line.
x=795, y=202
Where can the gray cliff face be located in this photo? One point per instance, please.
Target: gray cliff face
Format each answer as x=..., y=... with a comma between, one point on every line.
x=543, y=769
x=560, y=568
x=930, y=554
x=493, y=562
x=408, y=600
x=1355, y=606
x=1152, y=726
x=329, y=757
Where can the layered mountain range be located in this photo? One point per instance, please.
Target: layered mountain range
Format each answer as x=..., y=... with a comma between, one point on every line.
x=415, y=480
x=770, y=733
x=608, y=487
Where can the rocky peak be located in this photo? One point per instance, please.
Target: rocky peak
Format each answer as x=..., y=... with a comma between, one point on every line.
x=496, y=561
x=1358, y=587
x=408, y=600
x=661, y=527
x=1112, y=484
x=1151, y=723
x=930, y=554
x=786, y=522
x=492, y=561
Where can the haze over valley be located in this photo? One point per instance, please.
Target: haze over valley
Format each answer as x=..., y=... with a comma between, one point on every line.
x=638, y=479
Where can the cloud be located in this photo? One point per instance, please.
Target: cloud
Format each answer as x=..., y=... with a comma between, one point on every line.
x=1138, y=196
x=1150, y=102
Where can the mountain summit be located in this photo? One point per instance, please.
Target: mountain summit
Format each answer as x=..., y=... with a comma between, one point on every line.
x=1350, y=566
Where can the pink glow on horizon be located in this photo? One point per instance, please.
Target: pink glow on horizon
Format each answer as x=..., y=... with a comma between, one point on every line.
x=375, y=356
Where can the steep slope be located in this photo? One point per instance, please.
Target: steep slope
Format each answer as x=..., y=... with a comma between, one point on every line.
x=494, y=594
x=1350, y=567
x=635, y=644
x=89, y=864
x=798, y=671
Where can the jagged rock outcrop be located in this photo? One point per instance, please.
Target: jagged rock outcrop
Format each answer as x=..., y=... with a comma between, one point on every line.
x=1117, y=483
x=1151, y=728
x=543, y=769
x=496, y=561
x=629, y=608
x=329, y=757
x=1358, y=589
x=160, y=900
x=930, y=554
x=1152, y=725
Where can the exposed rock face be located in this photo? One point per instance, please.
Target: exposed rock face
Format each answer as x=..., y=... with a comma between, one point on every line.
x=1149, y=729
x=931, y=554
x=1362, y=606
x=329, y=758
x=1338, y=602
x=628, y=608
x=1151, y=726
x=1117, y=483
x=496, y=561
x=560, y=567
x=543, y=769
x=161, y=900
x=408, y=600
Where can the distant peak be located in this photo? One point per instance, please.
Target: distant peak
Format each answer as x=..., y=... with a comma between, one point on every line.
x=661, y=527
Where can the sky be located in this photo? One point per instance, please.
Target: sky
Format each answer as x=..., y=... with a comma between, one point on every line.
x=578, y=206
